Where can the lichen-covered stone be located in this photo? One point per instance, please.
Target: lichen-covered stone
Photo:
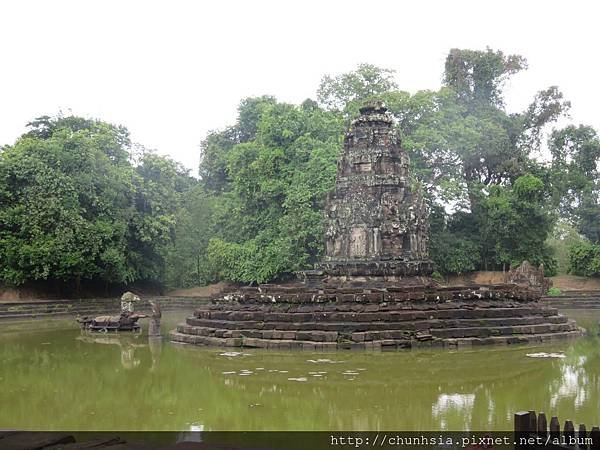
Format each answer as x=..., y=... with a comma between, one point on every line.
x=529, y=276
x=377, y=223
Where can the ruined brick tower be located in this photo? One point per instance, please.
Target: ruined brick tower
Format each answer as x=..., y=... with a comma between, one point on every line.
x=377, y=224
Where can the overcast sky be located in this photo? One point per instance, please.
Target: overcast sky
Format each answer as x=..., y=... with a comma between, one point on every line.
x=170, y=71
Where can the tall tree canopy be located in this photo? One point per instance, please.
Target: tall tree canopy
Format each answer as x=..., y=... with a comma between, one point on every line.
x=264, y=180
x=74, y=208
x=267, y=176
x=78, y=201
x=469, y=153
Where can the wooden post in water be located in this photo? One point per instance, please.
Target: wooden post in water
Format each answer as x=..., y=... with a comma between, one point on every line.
x=582, y=436
x=554, y=428
x=526, y=426
x=569, y=432
x=595, y=435
x=542, y=425
x=522, y=428
x=532, y=422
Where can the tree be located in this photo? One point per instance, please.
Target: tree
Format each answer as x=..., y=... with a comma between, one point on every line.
x=272, y=186
x=364, y=83
x=59, y=220
x=159, y=187
x=562, y=239
x=584, y=259
x=478, y=77
x=74, y=208
x=575, y=172
x=514, y=224
x=187, y=263
x=271, y=170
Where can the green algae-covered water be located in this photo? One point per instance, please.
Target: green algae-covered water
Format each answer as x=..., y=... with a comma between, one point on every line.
x=59, y=379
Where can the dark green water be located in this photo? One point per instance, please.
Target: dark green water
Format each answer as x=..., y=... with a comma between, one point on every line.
x=57, y=379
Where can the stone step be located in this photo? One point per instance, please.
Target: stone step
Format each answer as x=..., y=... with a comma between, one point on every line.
x=581, y=293
x=381, y=344
x=571, y=300
x=103, y=302
x=285, y=344
x=513, y=339
x=344, y=332
x=384, y=315
x=414, y=325
x=574, y=300
x=32, y=316
x=580, y=307
x=33, y=313
x=504, y=321
x=484, y=332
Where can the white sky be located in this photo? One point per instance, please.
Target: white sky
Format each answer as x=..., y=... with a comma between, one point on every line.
x=172, y=70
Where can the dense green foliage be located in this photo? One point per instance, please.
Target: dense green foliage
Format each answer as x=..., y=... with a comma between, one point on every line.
x=575, y=173
x=78, y=201
x=585, y=259
x=264, y=181
x=494, y=204
x=74, y=208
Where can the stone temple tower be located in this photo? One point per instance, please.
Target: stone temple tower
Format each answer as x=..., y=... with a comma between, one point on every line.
x=377, y=225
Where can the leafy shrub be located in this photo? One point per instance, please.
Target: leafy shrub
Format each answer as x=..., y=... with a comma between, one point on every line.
x=584, y=259
x=438, y=277
x=554, y=292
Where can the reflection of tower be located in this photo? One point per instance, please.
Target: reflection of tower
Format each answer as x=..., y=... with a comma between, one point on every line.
x=377, y=225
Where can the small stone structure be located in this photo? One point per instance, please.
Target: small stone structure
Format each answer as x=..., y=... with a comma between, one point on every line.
x=530, y=276
x=372, y=290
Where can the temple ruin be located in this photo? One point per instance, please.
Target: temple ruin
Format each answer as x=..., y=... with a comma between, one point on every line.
x=372, y=289
x=377, y=224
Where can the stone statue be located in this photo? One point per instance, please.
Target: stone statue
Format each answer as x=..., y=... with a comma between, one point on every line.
x=154, y=326
x=128, y=299
x=125, y=321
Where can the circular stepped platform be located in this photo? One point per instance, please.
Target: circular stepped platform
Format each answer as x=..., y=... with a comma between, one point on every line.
x=369, y=318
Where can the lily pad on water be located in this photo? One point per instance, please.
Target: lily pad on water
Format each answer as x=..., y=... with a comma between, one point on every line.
x=324, y=360
x=546, y=355
x=233, y=354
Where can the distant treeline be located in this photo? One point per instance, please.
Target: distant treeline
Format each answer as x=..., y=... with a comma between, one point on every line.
x=79, y=202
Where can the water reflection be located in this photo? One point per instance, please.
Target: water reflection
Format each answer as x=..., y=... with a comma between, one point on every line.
x=84, y=377
x=155, y=345
x=126, y=343
x=451, y=404
x=571, y=384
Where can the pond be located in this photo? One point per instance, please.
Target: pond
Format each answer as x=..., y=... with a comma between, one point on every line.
x=60, y=379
